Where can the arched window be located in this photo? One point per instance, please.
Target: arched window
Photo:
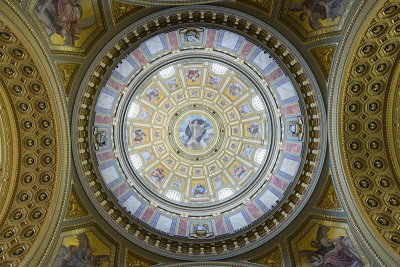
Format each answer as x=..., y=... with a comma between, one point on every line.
x=173, y=195
x=136, y=161
x=218, y=68
x=257, y=103
x=259, y=155
x=224, y=193
x=133, y=110
x=168, y=71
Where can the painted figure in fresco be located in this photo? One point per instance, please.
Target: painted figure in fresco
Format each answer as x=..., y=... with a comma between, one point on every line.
x=214, y=81
x=195, y=132
x=145, y=115
x=235, y=89
x=172, y=84
x=337, y=252
x=247, y=151
x=63, y=17
x=218, y=181
x=245, y=109
x=79, y=256
x=177, y=182
x=317, y=10
x=153, y=94
x=198, y=190
x=193, y=74
x=147, y=155
x=157, y=175
x=254, y=129
x=239, y=171
x=138, y=135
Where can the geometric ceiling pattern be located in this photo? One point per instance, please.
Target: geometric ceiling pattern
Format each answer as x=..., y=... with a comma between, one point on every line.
x=199, y=133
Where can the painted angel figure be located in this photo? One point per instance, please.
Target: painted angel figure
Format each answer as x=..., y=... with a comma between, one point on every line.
x=239, y=171
x=193, y=74
x=198, y=190
x=235, y=89
x=79, y=256
x=138, y=135
x=157, y=175
x=63, y=17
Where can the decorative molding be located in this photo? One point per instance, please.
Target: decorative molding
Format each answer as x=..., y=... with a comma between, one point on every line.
x=121, y=10
x=272, y=258
x=75, y=208
x=324, y=56
x=265, y=6
x=329, y=199
x=133, y=260
x=67, y=73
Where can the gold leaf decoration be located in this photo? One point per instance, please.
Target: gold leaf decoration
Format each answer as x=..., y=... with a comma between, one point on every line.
x=265, y=5
x=131, y=260
x=67, y=73
x=272, y=258
x=120, y=10
x=75, y=208
x=324, y=56
x=329, y=198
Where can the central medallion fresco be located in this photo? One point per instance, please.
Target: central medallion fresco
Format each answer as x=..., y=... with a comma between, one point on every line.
x=197, y=131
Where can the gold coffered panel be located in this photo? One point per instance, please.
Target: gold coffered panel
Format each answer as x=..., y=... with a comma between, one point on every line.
x=121, y=10
x=271, y=258
x=324, y=56
x=34, y=178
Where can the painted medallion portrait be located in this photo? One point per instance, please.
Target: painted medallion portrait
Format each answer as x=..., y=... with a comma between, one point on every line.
x=196, y=132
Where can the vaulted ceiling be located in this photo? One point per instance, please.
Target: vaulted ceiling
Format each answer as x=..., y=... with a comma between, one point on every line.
x=250, y=133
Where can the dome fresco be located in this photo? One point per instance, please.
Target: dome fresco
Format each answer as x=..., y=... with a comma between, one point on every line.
x=199, y=141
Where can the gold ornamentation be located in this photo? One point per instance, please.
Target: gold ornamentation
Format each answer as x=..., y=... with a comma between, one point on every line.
x=67, y=73
x=363, y=104
x=75, y=208
x=35, y=177
x=324, y=56
x=265, y=5
x=121, y=10
x=271, y=258
x=329, y=199
x=131, y=260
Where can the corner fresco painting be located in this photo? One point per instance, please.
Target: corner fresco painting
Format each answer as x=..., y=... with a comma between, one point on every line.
x=84, y=247
x=315, y=17
x=70, y=25
x=322, y=242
